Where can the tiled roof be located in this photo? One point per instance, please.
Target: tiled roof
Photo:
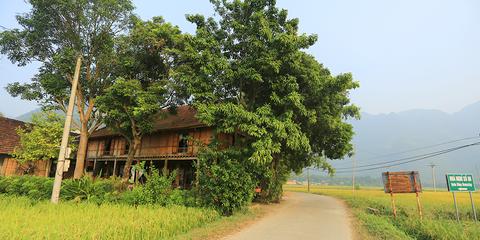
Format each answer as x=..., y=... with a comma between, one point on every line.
x=182, y=119
x=8, y=135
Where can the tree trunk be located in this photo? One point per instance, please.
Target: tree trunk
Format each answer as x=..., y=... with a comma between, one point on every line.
x=81, y=152
x=132, y=150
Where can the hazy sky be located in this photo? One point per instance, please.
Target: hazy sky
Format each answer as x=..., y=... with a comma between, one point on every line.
x=405, y=54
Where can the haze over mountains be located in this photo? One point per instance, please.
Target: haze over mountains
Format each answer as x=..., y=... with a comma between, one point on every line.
x=381, y=134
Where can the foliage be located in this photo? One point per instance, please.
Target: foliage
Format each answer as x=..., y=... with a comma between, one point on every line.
x=144, y=85
x=129, y=109
x=250, y=77
x=438, y=213
x=127, y=105
x=36, y=188
x=270, y=181
x=157, y=190
x=92, y=190
x=41, y=139
x=224, y=182
x=84, y=189
x=67, y=220
x=55, y=33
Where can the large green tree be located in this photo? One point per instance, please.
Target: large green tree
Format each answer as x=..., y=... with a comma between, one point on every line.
x=145, y=86
x=57, y=32
x=249, y=76
x=129, y=110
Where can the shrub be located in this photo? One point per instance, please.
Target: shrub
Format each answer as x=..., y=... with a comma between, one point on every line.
x=157, y=190
x=90, y=189
x=224, y=182
x=36, y=188
x=270, y=182
x=183, y=198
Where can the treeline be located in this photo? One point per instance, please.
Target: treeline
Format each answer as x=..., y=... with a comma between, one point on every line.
x=338, y=180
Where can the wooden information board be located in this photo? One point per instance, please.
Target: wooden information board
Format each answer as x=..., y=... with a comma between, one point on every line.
x=401, y=182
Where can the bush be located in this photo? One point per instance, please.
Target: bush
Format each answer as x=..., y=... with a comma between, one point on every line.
x=40, y=188
x=183, y=198
x=157, y=190
x=93, y=190
x=224, y=182
x=270, y=182
x=36, y=188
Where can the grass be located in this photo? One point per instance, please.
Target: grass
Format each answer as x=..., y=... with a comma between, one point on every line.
x=20, y=218
x=23, y=218
x=373, y=212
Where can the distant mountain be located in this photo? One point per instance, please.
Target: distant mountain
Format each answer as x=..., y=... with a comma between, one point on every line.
x=27, y=117
x=382, y=134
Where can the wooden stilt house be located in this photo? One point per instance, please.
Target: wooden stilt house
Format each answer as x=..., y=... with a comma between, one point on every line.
x=172, y=145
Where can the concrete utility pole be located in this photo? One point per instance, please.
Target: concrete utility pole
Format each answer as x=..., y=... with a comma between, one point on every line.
x=308, y=179
x=432, y=165
x=66, y=132
x=353, y=173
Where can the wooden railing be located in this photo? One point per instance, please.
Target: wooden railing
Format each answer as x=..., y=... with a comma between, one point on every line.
x=160, y=152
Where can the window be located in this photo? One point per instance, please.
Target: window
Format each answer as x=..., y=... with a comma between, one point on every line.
x=183, y=143
x=127, y=146
x=107, y=147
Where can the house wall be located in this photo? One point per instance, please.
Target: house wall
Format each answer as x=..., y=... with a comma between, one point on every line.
x=159, y=143
x=10, y=167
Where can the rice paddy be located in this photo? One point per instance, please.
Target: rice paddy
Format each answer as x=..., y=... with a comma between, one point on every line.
x=22, y=218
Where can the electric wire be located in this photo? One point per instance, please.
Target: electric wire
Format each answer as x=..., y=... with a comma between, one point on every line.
x=411, y=159
x=413, y=150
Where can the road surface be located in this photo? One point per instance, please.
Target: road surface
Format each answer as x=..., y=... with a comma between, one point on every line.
x=302, y=216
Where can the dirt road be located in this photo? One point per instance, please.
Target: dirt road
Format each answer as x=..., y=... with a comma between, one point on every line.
x=301, y=217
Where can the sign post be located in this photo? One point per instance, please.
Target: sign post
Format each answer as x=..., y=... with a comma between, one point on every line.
x=402, y=182
x=473, y=207
x=461, y=183
x=456, y=206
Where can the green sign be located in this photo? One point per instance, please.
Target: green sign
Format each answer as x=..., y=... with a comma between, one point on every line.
x=460, y=183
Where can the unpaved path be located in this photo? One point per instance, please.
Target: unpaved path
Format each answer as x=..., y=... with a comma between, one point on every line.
x=302, y=216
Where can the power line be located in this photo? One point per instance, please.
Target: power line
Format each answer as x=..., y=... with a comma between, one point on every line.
x=393, y=161
x=427, y=147
x=417, y=149
x=421, y=157
x=386, y=165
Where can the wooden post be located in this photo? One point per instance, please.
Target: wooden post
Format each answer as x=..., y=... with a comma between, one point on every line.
x=197, y=172
x=419, y=206
x=47, y=167
x=473, y=207
x=150, y=168
x=165, y=167
x=115, y=167
x=391, y=196
x=94, y=165
x=456, y=207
